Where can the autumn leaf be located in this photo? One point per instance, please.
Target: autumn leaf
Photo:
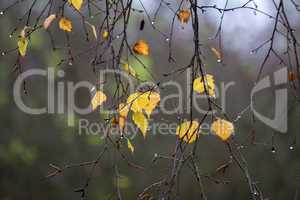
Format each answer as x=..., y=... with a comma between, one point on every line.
x=198, y=85
x=188, y=131
x=123, y=109
x=217, y=54
x=105, y=34
x=292, y=76
x=77, y=4
x=123, y=112
x=65, y=24
x=114, y=121
x=23, y=41
x=143, y=101
x=130, y=146
x=48, y=21
x=141, y=47
x=222, y=128
x=122, y=123
x=98, y=99
x=141, y=122
x=127, y=68
x=132, y=100
x=184, y=16
x=152, y=99
x=22, y=45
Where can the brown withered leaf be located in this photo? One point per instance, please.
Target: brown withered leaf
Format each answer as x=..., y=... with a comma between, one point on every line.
x=141, y=47
x=184, y=16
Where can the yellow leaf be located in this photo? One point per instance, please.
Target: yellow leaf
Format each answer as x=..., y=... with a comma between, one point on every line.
x=22, y=45
x=132, y=101
x=222, y=128
x=105, y=34
x=198, y=85
x=65, y=24
x=48, y=21
x=141, y=121
x=152, y=99
x=141, y=47
x=127, y=68
x=98, y=99
x=184, y=16
x=76, y=3
x=130, y=146
x=188, y=131
x=123, y=112
x=217, y=54
x=143, y=101
x=123, y=109
x=93, y=29
x=122, y=123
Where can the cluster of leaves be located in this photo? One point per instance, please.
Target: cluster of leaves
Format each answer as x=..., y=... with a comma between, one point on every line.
x=138, y=107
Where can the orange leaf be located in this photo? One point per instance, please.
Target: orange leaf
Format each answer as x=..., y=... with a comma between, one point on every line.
x=184, y=16
x=65, y=24
x=141, y=47
x=123, y=110
x=292, y=76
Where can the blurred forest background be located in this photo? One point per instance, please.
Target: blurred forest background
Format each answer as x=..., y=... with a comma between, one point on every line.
x=29, y=143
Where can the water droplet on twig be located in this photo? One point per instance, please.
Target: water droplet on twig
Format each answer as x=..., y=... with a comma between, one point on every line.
x=273, y=150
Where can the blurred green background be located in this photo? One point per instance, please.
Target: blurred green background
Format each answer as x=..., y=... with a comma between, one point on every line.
x=29, y=143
